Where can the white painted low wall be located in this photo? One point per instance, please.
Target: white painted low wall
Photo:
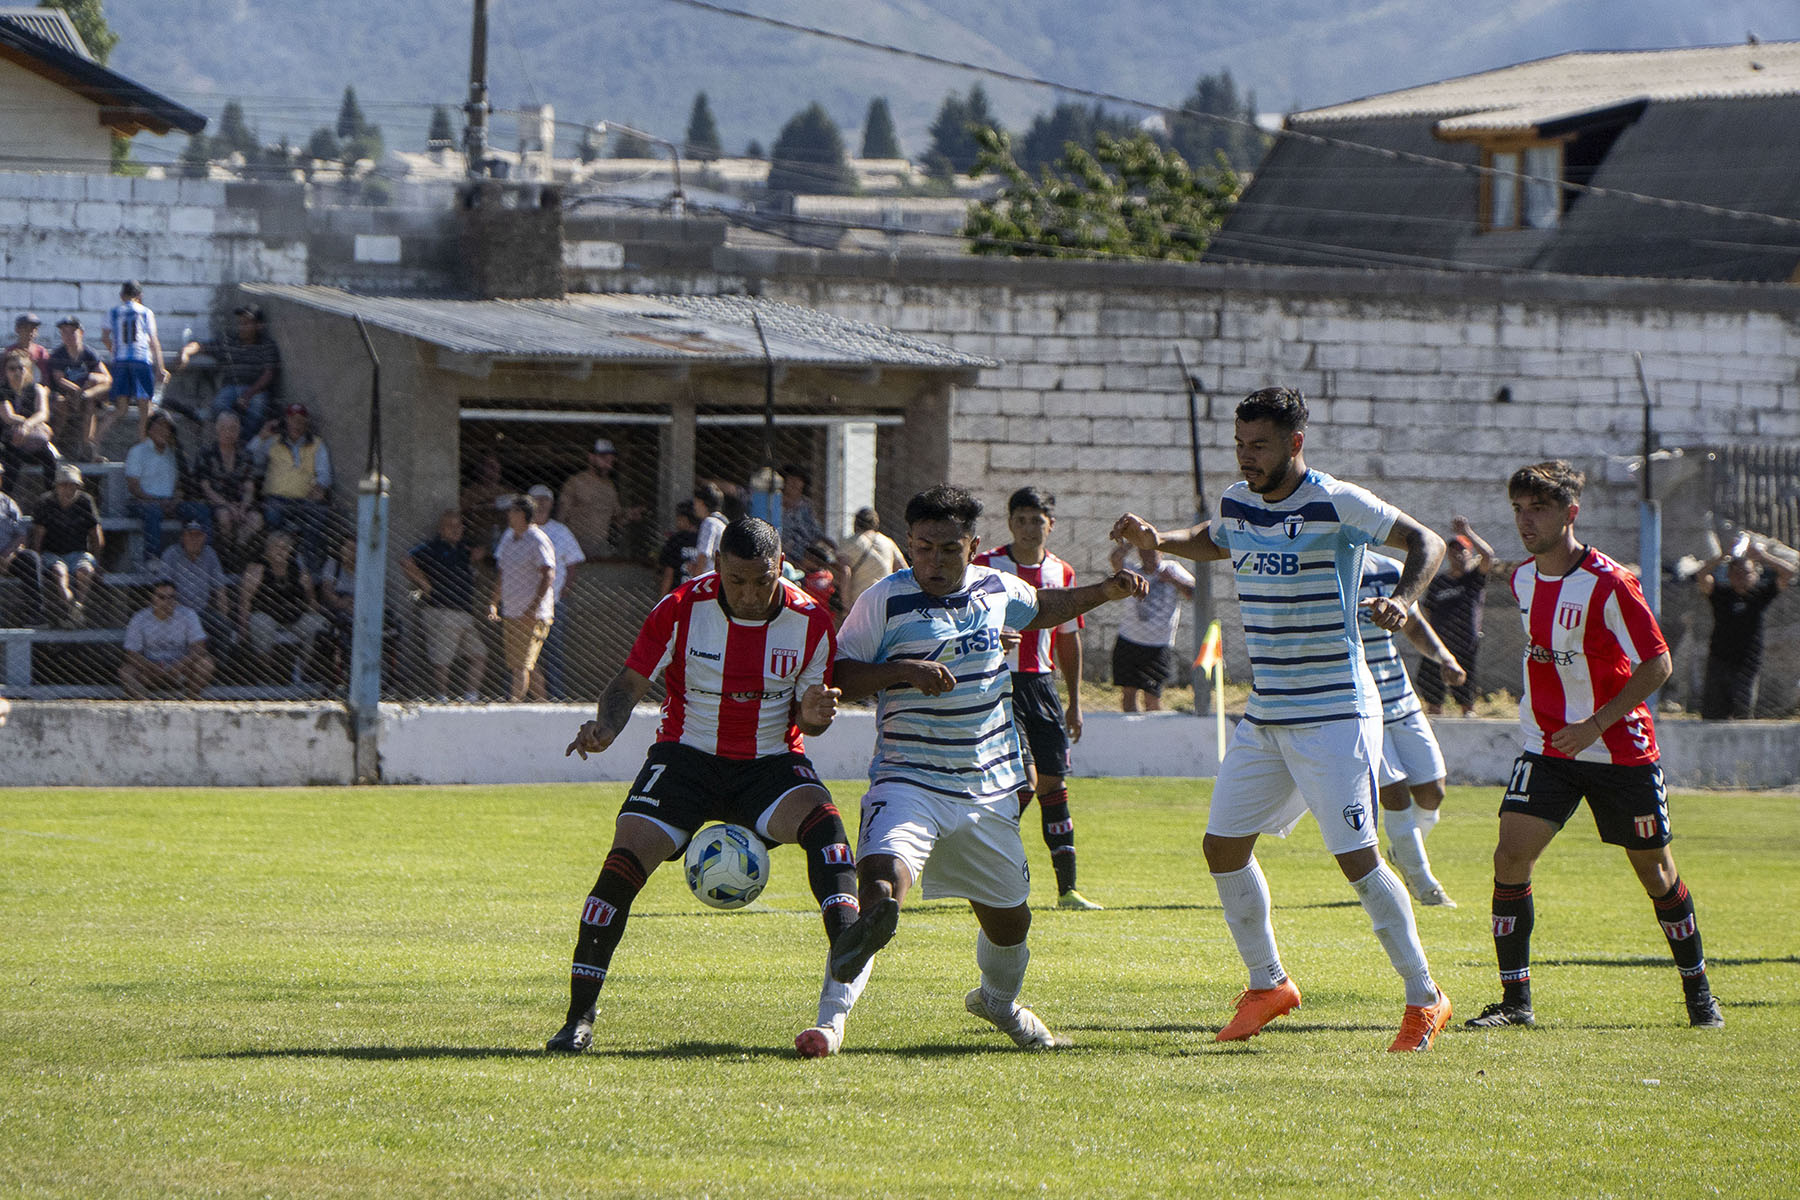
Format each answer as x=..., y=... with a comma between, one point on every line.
x=167, y=744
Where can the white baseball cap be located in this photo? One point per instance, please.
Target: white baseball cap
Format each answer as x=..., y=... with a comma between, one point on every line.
x=602, y=446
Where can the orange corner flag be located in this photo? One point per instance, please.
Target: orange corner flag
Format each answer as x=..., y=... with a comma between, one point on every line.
x=1212, y=653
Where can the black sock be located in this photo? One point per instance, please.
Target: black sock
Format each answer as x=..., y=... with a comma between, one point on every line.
x=1675, y=913
x=603, y=917
x=1059, y=835
x=1513, y=915
x=1025, y=795
x=830, y=867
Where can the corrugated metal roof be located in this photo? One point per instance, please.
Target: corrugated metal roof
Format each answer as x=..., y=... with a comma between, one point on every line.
x=630, y=329
x=51, y=24
x=1591, y=80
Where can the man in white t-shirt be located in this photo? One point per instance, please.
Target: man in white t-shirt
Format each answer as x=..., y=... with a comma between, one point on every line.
x=524, y=594
x=165, y=647
x=1144, y=653
x=547, y=680
x=707, y=501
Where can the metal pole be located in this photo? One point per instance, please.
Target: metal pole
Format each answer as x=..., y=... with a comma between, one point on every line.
x=475, y=139
x=371, y=586
x=1204, y=610
x=768, y=422
x=1649, y=510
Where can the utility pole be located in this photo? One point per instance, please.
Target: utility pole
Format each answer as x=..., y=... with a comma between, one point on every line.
x=475, y=133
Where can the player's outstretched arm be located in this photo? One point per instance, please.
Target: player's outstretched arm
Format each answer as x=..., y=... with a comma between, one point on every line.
x=816, y=709
x=1057, y=605
x=616, y=703
x=1195, y=543
x=860, y=680
x=1420, y=633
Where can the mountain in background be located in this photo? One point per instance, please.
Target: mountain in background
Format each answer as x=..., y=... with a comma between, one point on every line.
x=641, y=62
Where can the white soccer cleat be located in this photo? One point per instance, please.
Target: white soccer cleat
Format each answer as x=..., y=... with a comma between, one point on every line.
x=1021, y=1025
x=821, y=1041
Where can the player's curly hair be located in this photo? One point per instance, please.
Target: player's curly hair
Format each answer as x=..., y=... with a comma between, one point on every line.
x=1556, y=481
x=749, y=537
x=944, y=502
x=1283, y=407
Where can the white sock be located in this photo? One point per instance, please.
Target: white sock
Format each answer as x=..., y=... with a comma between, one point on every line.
x=1385, y=900
x=1426, y=819
x=1245, y=895
x=1405, y=843
x=837, y=999
x=1002, y=972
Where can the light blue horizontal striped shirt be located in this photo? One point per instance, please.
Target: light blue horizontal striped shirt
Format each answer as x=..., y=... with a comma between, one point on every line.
x=1381, y=575
x=960, y=744
x=1298, y=567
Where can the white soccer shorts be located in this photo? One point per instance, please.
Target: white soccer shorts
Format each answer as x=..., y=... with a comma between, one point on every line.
x=1410, y=752
x=1273, y=773
x=967, y=848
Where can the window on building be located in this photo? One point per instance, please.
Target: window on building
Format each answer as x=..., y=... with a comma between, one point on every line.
x=1523, y=191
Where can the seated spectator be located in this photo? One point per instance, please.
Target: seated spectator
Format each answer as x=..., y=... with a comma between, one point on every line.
x=443, y=570
x=65, y=532
x=296, y=482
x=249, y=366
x=225, y=478
x=17, y=559
x=24, y=416
x=524, y=601
x=872, y=555
x=274, y=595
x=79, y=385
x=137, y=356
x=679, y=549
x=165, y=646
x=200, y=584
x=25, y=327
x=337, y=600
x=153, y=474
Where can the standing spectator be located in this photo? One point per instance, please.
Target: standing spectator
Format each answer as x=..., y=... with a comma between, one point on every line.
x=249, y=366
x=153, y=472
x=800, y=527
x=200, y=583
x=1734, y=655
x=709, y=526
x=1453, y=601
x=483, y=515
x=65, y=533
x=679, y=549
x=872, y=555
x=18, y=560
x=79, y=384
x=25, y=327
x=1143, y=657
x=524, y=594
x=296, y=482
x=443, y=569
x=137, y=355
x=590, y=502
x=547, y=681
x=24, y=415
x=274, y=595
x=226, y=479
x=165, y=646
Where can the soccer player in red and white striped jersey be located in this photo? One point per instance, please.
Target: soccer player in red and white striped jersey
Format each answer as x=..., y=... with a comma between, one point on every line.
x=746, y=661
x=1594, y=655
x=1046, y=728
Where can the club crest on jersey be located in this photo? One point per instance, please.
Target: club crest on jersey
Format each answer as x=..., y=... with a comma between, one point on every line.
x=597, y=912
x=1355, y=815
x=1568, y=615
x=1503, y=926
x=1678, y=931
x=1292, y=525
x=783, y=662
x=1644, y=827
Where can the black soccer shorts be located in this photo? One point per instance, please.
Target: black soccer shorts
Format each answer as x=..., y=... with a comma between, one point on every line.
x=681, y=788
x=1038, y=712
x=1630, y=803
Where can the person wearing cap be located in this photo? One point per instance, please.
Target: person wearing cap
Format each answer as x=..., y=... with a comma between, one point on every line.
x=65, y=533
x=153, y=475
x=79, y=385
x=296, y=480
x=25, y=327
x=1453, y=605
x=193, y=566
x=524, y=599
x=590, y=502
x=24, y=415
x=17, y=559
x=137, y=355
x=249, y=365
x=165, y=646
x=547, y=680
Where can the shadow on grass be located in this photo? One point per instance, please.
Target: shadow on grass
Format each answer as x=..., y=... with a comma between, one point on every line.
x=408, y=1053
x=1663, y=960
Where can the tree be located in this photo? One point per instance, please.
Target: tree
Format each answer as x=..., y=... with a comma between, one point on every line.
x=194, y=158
x=350, y=122
x=1127, y=197
x=879, y=138
x=90, y=23
x=703, y=132
x=1235, y=135
x=235, y=135
x=441, y=136
x=808, y=156
x=631, y=145
x=1069, y=123
x=754, y=149
x=952, y=131
x=322, y=146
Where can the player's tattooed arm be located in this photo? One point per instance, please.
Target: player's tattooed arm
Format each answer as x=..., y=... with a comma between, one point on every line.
x=1196, y=543
x=1057, y=605
x=1424, y=551
x=616, y=703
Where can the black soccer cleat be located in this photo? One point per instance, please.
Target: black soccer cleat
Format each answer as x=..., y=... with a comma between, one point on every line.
x=1704, y=1013
x=1494, y=1016
x=576, y=1035
x=852, y=949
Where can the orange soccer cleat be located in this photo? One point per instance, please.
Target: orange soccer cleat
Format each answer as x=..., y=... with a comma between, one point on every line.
x=1256, y=1007
x=1421, y=1025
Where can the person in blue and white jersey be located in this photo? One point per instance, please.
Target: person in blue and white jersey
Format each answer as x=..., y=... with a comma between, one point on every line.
x=1311, y=734
x=1412, y=764
x=927, y=642
x=137, y=356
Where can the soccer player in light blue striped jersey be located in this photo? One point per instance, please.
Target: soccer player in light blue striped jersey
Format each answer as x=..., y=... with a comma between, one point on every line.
x=947, y=770
x=1311, y=734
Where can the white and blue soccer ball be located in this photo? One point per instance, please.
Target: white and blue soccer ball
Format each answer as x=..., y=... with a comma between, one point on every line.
x=727, y=866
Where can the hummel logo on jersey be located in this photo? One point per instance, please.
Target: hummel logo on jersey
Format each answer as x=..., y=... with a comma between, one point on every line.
x=1678, y=931
x=783, y=662
x=597, y=912
x=1355, y=815
x=1568, y=615
x=1292, y=525
x=838, y=854
x=1503, y=926
x=696, y=652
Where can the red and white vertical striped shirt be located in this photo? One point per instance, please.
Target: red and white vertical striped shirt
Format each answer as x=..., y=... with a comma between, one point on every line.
x=732, y=684
x=1585, y=633
x=1037, y=649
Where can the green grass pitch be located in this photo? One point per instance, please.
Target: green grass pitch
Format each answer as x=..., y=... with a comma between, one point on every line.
x=342, y=992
